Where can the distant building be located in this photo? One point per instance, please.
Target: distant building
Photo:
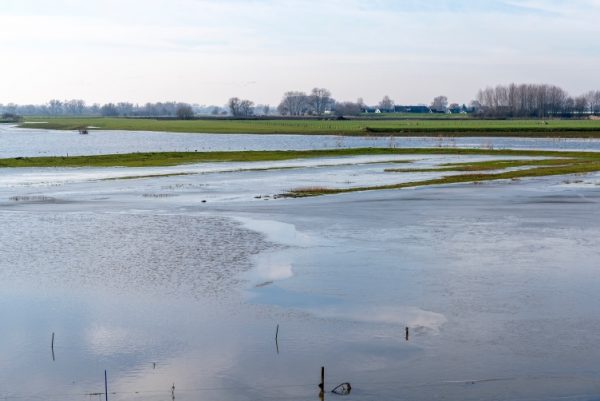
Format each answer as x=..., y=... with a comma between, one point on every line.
x=412, y=109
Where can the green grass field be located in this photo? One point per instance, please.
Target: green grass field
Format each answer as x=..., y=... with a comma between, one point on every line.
x=374, y=127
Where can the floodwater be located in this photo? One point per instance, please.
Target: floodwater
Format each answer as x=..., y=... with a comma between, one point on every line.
x=498, y=284
x=19, y=142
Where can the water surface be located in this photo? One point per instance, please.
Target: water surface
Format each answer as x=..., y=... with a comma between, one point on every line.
x=20, y=142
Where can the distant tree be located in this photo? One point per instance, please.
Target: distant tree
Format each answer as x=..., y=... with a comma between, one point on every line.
x=109, y=110
x=240, y=108
x=246, y=108
x=94, y=109
x=215, y=111
x=184, y=111
x=569, y=106
x=454, y=108
x=234, y=106
x=74, y=107
x=294, y=103
x=347, y=109
x=266, y=109
x=319, y=100
x=439, y=104
x=580, y=105
x=125, y=109
x=55, y=107
x=360, y=101
x=10, y=117
x=386, y=104
x=525, y=100
x=593, y=100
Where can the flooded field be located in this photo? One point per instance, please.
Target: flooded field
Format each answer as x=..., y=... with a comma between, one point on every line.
x=182, y=280
x=20, y=142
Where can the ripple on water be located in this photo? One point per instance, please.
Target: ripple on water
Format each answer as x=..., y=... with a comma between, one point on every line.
x=174, y=254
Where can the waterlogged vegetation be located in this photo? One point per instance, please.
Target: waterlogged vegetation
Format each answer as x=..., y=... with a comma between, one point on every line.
x=178, y=158
x=158, y=159
x=374, y=126
x=535, y=164
x=576, y=164
x=485, y=165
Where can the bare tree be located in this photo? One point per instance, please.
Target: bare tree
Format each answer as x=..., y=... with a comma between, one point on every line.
x=593, y=100
x=240, y=108
x=55, y=107
x=294, y=103
x=234, y=106
x=246, y=108
x=440, y=104
x=266, y=109
x=319, y=100
x=347, y=109
x=184, y=111
x=74, y=107
x=524, y=100
x=581, y=105
x=125, y=109
x=386, y=104
x=454, y=108
x=109, y=110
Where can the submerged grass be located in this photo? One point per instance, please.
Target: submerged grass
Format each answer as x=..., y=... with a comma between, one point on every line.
x=157, y=159
x=367, y=126
x=487, y=165
x=454, y=179
x=556, y=163
x=178, y=158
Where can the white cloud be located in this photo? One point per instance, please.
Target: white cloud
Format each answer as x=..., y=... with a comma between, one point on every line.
x=205, y=51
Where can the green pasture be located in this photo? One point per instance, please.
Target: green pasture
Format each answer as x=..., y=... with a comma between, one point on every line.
x=374, y=127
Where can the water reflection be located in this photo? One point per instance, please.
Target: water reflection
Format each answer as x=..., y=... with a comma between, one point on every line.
x=497, y=283
x=19, y=142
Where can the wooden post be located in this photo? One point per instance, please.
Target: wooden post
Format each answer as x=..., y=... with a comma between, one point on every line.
x=105, y=386
x=277, y=338
x=407, y=333
x=322, y=384
x=52, y=343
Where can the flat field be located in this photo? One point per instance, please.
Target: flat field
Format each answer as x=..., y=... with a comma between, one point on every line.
x=375, y=126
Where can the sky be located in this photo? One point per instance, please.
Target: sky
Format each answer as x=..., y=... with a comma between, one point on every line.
x=206, y=51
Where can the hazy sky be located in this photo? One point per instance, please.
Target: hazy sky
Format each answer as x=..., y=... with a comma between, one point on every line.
x=205, y=51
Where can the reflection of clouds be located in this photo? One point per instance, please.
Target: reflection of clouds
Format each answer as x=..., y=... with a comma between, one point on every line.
x=274, y=271
x=405, y=315
x=106, y=340
x=281, y=233
x=271, y=266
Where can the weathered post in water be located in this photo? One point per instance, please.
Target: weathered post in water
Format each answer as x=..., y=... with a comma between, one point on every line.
x=277, y=339
x=322, y=384
x=105, y=386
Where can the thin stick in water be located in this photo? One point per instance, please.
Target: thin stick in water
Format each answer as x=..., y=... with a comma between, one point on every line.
x=277, y=338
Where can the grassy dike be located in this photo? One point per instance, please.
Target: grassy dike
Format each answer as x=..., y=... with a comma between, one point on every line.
x=353, y=127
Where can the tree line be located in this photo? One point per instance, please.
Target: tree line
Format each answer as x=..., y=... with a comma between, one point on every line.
x=78, y=107
x=534, y=100
x=502, y=101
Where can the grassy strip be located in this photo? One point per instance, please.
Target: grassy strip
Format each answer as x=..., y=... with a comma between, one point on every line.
x=179, y=158
x=463, y=178
x=359, y=127
x=486, y=165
